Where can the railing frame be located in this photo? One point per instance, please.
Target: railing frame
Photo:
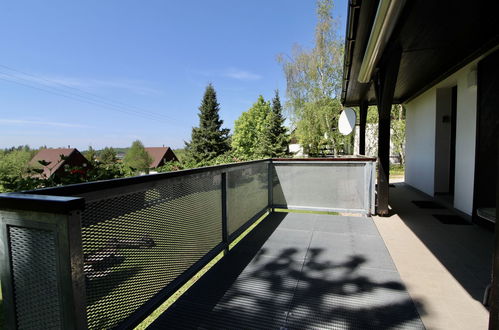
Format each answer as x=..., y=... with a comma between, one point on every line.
x=52, y=209
x=60, y=215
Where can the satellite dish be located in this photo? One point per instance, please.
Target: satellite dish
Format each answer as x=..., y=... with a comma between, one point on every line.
x=347, y=120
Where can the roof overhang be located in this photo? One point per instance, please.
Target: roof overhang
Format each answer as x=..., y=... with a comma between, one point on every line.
x=436, y=37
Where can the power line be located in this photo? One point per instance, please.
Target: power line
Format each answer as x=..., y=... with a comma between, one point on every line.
x=114, y=102
x=75, y=98
x=93, y=99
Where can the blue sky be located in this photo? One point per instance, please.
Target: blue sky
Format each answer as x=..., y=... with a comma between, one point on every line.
x=105, y=73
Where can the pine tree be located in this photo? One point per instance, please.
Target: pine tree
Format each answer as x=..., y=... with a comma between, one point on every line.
x=280, y=139
x=209, y=140
x=90, y=154
x=108, y=156
x=274, y=140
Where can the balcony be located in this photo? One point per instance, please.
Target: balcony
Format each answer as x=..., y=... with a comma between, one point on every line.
x=107, y=254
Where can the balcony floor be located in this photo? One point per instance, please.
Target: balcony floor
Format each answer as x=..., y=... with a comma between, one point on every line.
x=296, y=271
x=446, y=268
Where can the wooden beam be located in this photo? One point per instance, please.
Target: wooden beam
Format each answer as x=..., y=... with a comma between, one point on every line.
x=384, y=86
x=362, y=127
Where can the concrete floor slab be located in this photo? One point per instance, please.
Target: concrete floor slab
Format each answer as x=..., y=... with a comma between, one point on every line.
x=445, y=267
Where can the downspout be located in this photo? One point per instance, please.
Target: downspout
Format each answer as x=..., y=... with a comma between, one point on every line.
x=384, y=23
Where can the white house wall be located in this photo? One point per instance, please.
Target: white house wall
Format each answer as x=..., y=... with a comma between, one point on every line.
x=465, y=142
x=420, y=142
x=420, y=145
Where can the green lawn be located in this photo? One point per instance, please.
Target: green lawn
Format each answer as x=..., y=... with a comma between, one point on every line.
x=397, y=169
x=306, y=211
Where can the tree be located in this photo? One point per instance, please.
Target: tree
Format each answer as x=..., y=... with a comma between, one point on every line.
x=209, y=140
x=249, y=129
x=317, y=130
x=274, y=141
x=15, y=168
x=314, y=80
x=90, y=155
x=398, y=131
x=108, y=156
x=137, y=158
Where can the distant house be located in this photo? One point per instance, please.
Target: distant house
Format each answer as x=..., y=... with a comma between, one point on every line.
x=295, y=148
x=160, y=156
x=56, y=165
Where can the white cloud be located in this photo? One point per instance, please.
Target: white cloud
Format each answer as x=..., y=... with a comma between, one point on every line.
x=233, y=73
x=40, y=123
x=241, y=74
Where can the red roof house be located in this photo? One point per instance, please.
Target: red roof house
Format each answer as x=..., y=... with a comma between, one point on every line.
x=72, y=157
x=160, y=156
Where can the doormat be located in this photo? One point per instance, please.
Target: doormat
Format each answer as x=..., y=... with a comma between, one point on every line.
x=451, y=219
x=391, y=185
x=427, y=205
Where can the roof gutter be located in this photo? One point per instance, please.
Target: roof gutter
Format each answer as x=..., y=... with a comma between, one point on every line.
x=384, y=23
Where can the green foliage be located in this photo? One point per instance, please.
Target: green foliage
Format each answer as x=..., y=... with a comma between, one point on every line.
x=90, y=154
x=249, y=129
x=15, y=169
x=180, y=153
x=274, y=141
x=317, y=131
x=398, y=131
x=137, y=159
x=372, y=115
x=229, y=157
x=107, y=156
x=16, y=174
x=15, y=162
x=314, y=80
x=209, y=140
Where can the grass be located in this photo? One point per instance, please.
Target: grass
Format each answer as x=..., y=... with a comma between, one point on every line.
x=305, y=211
x=397, y=169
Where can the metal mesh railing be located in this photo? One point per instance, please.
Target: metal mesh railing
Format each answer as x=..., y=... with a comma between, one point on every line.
x=139, y=239
x=247, y=194
x=33, y=253
x=136, y=244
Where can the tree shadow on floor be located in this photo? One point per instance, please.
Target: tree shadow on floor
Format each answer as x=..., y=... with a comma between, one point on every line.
x=260, y=289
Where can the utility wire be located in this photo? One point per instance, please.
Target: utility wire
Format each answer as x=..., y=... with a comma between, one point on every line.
x=93, y=99
x=52, y=82
x=76, y=98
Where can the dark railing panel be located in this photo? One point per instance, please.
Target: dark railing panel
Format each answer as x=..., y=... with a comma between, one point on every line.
x=138, y=243
x=247, y=194
x=33, y=252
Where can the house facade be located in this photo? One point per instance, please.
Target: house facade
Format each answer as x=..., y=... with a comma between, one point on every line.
x=441, y=61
